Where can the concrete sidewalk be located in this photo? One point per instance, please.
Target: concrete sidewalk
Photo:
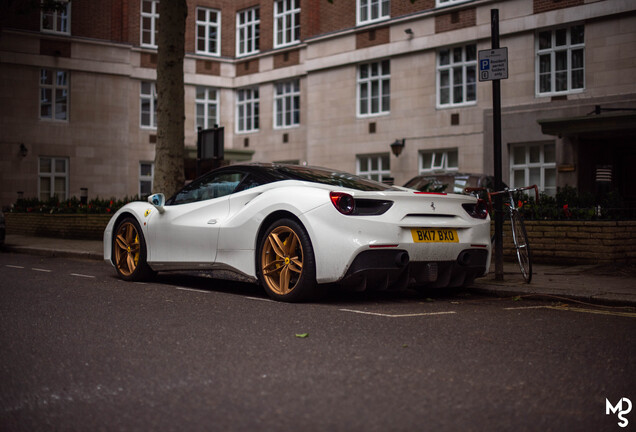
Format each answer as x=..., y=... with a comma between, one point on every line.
x=611, y=285
x=88, y=249
x=597, y=284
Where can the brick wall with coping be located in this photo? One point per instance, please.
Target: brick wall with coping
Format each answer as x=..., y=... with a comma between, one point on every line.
x=71, y=226
x=577, y=242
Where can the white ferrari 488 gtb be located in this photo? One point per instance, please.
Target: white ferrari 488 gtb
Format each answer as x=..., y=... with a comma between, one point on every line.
x=295, y=229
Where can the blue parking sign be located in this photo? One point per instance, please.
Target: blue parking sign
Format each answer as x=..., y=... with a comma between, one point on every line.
x=493, y=64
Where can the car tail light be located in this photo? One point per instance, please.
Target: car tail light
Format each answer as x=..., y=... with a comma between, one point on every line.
x=479, y=210
x=343, y=202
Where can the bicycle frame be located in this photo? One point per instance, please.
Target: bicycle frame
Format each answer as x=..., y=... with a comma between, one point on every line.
x=519, y=234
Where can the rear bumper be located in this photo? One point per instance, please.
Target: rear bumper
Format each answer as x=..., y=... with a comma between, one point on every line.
x=392, y=269
x=354, y=236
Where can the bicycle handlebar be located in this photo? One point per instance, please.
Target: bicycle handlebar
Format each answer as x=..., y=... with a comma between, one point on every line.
x=511, y=191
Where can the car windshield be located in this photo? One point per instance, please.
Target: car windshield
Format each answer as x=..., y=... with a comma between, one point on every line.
x=328, y=177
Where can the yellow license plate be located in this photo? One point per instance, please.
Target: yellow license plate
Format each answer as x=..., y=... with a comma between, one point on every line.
x=430, y=235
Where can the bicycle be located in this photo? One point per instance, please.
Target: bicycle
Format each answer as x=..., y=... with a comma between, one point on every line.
x=519, y=234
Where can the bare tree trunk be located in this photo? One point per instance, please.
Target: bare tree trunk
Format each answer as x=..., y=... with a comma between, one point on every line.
x=169, y=173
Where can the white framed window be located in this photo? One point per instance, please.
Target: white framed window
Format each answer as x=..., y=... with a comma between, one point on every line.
x=56, y=19
x=374, y=167
x=560, y=61
x=248, y=31
x=54, y=94
x=287, y=104
x=208, y=28
x=438, y=161
x=374, y=88
x=533, y=163
x=148, y=102
x=149, y=19
x=286, y=22
x=53, y=176
x=440, y=3
x=207, y=107
x=369, y=11
x=247, y=110
x=146, y=178
x=456, y=76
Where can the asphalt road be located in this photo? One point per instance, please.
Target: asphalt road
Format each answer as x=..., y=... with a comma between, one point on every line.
x=82, y=350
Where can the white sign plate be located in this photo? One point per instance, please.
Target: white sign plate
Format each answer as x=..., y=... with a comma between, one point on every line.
x=493, y=64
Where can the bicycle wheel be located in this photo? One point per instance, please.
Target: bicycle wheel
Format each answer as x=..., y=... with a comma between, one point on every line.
x=520, y=239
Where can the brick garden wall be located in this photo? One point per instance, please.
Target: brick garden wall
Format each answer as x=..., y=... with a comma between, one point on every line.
x=577, y=242
x=71, y=226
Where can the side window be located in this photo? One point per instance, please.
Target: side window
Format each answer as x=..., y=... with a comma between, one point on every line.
x=56, y=17
x=374, y=167
x=456, y=76
x=249, y=182
x=215, y=185
x=560, y=61
x=373, y=11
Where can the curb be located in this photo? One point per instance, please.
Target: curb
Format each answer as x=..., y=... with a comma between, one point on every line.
x=54, y=253
x=506, y=292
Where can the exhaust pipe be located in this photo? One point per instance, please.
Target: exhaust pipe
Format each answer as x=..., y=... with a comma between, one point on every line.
x=402, y=259
x=464, y=258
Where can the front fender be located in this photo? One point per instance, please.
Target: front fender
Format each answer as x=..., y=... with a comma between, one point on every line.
x=141, y=211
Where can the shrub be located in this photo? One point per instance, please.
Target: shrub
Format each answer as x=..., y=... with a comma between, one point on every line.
x=570, y=204
x=70, y=206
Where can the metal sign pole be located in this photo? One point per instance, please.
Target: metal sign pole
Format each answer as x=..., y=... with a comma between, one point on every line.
x=496, y=122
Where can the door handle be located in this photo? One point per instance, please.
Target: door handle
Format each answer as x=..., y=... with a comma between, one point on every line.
x=212, y=221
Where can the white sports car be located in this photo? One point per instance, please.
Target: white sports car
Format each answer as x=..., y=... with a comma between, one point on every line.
x=295, y=229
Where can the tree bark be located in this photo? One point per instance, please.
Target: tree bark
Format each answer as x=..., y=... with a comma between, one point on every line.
x=169, y=153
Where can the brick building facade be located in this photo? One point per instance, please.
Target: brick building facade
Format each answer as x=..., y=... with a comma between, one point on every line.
x=324, y=83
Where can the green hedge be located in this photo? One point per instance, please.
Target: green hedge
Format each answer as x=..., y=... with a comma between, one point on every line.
x=570, y=204
x=70, y=206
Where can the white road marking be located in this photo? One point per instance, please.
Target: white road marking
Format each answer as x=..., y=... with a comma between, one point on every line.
x=82, y=275
x=193, y=290
x=41, y=270
x=397, y=315
x=260, y=299
x=14, y=266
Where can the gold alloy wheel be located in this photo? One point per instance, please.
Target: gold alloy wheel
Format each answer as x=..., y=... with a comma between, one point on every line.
x=127, y=248
x=282, y=260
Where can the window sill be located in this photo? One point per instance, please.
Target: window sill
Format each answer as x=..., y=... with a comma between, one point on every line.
x=370, y=22
x=455, y=106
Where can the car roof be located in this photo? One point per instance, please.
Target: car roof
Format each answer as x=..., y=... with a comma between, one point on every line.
x=272, y=172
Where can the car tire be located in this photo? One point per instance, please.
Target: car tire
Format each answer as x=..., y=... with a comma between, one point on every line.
x=285, y=262
x=129, y=251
